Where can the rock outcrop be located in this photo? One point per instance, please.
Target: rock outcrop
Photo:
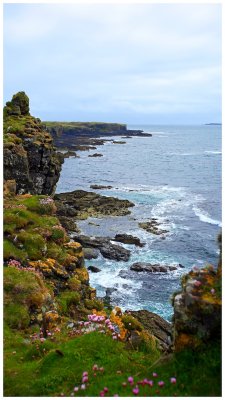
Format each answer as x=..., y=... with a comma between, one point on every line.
x=106, y=248
x=197, y=308
x=80, y=204
x=148, y=267
x=156, y=326
x=29, y=155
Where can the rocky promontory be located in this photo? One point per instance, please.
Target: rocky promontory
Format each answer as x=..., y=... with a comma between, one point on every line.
x=80, y=204
x=29, y=156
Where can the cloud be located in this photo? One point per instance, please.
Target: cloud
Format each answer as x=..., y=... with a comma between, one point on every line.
x=104, y=60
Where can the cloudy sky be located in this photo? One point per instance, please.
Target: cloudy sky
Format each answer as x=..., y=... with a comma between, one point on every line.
x=146, y=63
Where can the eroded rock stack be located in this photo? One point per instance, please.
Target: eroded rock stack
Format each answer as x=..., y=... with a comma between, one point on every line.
x=29, y=155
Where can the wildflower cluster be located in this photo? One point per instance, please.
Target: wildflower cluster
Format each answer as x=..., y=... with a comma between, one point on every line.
x=135, y=386
x=46, y=201
x=85, y=379
x=14, y=263
x=17, y=264
x=39, y=336
x=97, y=323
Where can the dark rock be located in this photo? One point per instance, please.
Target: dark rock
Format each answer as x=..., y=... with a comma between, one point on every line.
x=96, y=155
x=70, y=154
x=114, y=252
x=29, y=156
x=107, y=249
x=82, y=204
x=147, y=267
x=99, y=187
x=128, y=239
x=156, y=326
x=152, y=226
x=118, y=142
x=90, y=253
x=92, y=268
x=197, y=309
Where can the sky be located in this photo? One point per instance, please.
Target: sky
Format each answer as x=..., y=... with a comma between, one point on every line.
x=128, y=63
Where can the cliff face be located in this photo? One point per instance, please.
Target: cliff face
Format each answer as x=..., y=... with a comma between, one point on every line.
x=197, y=309
x=29, y=155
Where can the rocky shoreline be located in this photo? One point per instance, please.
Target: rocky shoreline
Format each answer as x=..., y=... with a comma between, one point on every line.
x=46, y=281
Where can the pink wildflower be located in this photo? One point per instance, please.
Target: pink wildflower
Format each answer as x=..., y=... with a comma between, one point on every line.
x=173, y=380
x=197, y=283
x=101, y=369
x=161, y=383
x=131, y=380
x=135, y=390
x=154, y=374
x=106, y=389
x=76, y=389
x=212, y=291
x=85, y=379
x=85, y=373
x=150, y=383
x=102, y=393
x=83, y=386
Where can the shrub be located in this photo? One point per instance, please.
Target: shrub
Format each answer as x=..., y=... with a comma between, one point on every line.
x=94, y=304
x=11, y=251
x=33, y=243
x=68, y=299
x=131, y=323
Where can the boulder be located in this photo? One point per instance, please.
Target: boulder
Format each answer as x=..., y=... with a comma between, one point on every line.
x=156, y=326
x=92, y=268
x=96, y=155
x=152, y=226
x=128, y=239
x=114, y=252
x=147, y=267
x=99, y=187
x=90, y=253
x=107, y=249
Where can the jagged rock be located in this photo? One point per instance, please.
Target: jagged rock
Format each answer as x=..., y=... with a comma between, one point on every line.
x=107, y=249
x=90, y=253
x=29, y=155
x=19, y=105
x=118, y=142
x=69, y=154
x=96, y=155
x=100, y=187
x=92, y=268
x=197, y=309
x=152, y=226
x=128, y=239
x=114, y=252
x=82, y=204
x=156, y=326
x=147, y=267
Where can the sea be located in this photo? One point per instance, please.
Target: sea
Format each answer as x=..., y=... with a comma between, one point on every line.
x=174, y=176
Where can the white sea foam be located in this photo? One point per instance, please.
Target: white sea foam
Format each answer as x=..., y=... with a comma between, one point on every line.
x=204, y=217
x=213, y=152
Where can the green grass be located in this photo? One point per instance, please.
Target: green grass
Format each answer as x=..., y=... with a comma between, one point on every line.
x=39, y=374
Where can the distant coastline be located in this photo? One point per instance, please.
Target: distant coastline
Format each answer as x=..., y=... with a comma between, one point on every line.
x=214, y=123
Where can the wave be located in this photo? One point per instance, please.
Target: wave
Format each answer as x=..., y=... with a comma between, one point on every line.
x=213, y=152
x=204, y=217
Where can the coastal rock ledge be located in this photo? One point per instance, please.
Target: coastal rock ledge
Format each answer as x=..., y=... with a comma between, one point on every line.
x=29, y=156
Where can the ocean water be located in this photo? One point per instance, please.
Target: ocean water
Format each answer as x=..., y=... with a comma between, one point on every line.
x=174, y=176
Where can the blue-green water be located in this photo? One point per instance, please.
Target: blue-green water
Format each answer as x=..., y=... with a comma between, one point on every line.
x=174, y=176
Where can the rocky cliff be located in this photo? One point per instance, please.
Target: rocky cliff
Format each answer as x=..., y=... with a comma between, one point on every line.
x=29, y=156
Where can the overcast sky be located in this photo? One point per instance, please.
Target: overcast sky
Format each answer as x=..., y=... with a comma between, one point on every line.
x=146, y=63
